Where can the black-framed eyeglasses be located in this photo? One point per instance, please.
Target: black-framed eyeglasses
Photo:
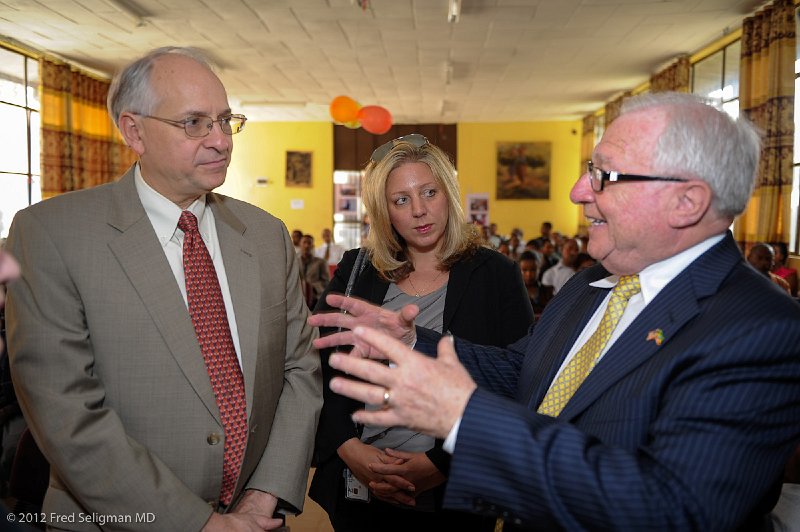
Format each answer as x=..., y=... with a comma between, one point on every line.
x=199, y=126
x=598, y=177
x=415, y=139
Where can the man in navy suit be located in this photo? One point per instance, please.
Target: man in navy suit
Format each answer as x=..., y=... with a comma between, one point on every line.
x=691, y=406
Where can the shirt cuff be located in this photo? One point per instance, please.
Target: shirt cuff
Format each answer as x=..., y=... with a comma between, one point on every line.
x=449, y=444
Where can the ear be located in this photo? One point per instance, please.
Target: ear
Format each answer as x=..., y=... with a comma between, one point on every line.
x=690, y=203
x=131, y=132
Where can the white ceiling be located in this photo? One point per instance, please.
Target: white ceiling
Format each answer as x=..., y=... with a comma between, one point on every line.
x=508, y=60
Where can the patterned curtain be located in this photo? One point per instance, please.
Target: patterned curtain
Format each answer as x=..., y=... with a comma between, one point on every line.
x=673, y=78
x=81, y=147
x=766, y=91
x=613, y=108
x=587, y=138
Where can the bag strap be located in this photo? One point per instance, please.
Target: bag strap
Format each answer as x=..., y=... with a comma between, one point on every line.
x=358, y=266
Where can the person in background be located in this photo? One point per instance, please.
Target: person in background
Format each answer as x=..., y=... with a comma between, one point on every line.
x=546, y=231
x=297, y=234
x=11, y=422
x=420, y=251
x=157, y=336
x=584, y=262
x=516, y=243
x=781, y=268
x=529, y=266
x=494, y=239
x=762, y=258
x=659, y=391
x=549, y=257
x=329, y=251
x=504, y=248
x=515, y=247
x=557, y=276
x=313, y=271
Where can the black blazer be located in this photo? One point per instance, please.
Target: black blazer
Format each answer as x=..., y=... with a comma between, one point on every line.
x=486, y=303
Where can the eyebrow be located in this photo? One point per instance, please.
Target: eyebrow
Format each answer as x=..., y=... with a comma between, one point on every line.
x=204, y=113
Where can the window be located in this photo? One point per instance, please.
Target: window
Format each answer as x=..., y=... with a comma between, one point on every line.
x=794, y=226
x=717, y=77
x=19, y=137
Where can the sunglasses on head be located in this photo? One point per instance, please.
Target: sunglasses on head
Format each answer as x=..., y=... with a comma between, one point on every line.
x=415, y=139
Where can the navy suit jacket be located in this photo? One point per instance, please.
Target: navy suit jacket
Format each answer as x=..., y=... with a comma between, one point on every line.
x=689, y=434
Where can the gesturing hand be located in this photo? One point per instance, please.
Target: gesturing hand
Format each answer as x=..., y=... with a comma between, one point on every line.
x=426, y=394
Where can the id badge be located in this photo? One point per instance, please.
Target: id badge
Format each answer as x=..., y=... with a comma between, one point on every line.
x=356, y=491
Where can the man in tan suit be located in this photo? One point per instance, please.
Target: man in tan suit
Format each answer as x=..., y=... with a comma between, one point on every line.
x=105, y=353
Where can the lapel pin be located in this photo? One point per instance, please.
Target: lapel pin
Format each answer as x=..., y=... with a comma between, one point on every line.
x=657, y=336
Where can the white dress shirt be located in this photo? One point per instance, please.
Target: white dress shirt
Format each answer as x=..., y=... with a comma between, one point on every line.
x=652, y=280
x=164, y=215
x=557, y=276
x=335, y=255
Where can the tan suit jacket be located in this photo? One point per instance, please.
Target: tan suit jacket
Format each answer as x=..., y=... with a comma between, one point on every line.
x=109, y=372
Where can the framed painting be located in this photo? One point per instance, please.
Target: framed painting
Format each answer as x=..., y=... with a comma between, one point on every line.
x=523, y=170
x=298, y=168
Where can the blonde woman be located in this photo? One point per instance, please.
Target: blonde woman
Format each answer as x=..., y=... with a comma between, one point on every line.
x=420, y=250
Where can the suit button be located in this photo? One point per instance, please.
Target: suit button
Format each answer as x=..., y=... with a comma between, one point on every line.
x=213, y=438
x=214, y=505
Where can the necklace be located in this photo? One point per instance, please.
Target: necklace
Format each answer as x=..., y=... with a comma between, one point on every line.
x=420, y=293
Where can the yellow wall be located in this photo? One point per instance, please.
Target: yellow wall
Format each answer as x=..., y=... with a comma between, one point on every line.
x=260, y=151
x=477, y=170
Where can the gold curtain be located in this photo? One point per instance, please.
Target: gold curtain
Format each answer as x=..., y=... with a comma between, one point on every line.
x=587, y=138
x=613, y=108
x=673, y=78
x=81, y=147
x=766, y=92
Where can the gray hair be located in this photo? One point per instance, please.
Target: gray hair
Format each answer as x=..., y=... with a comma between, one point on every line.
x=131, y=90
x=703, y=142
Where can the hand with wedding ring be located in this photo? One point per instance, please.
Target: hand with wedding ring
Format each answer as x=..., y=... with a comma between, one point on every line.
x=424, y=393
x=357, y=312
x=386, y=396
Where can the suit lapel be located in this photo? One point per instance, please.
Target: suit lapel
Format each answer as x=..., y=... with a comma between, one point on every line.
x=457, y=284
x=538, y=373
x=241, y=270
x=673, y=307
x=141, y=257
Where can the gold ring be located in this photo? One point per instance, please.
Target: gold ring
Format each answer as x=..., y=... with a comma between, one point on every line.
x=386, y=397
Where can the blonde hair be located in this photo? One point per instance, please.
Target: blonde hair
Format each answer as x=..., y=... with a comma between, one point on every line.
x=387, y=250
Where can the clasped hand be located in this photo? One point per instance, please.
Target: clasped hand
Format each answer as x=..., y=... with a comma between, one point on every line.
x=393, y=476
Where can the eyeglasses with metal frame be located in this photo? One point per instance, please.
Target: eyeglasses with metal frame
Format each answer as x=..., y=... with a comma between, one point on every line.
x=598, y=177
x=199, y=126
x=415, y=139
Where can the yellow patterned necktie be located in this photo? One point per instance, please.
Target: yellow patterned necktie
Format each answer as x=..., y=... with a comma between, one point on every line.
x=585, y=359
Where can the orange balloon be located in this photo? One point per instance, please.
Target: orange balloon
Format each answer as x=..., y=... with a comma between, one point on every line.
x=344, y=109
x=375, y=119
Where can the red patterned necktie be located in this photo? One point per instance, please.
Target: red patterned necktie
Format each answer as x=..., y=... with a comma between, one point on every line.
x=210, y=321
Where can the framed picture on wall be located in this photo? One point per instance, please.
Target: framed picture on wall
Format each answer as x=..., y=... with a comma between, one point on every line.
x=478, y=208
x=523, y=170
x=298, y=168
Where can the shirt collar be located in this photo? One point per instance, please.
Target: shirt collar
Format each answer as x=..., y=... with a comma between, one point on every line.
x=656, y=276
x=163, y=213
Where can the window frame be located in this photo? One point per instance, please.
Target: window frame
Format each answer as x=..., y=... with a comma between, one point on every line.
x=29, y=133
